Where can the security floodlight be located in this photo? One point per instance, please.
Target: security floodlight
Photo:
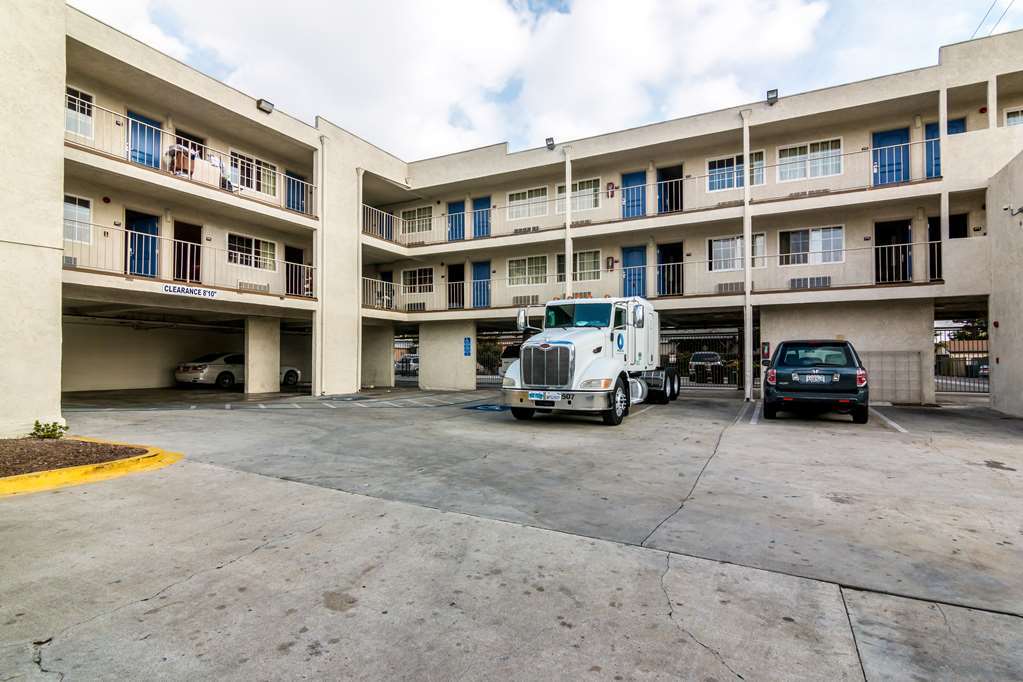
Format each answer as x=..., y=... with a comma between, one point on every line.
x=550, y=143
x=772, y=96
x=265, y=105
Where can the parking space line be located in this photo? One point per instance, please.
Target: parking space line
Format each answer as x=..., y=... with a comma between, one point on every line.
x=227, y=406
x=192, y=407
x=296, y=406
x=742, y=413
x=755, y=419
x=889, y=421
x=333, y=407
x=262, y=406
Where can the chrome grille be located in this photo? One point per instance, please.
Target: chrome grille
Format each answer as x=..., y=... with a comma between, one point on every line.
x=548, y=367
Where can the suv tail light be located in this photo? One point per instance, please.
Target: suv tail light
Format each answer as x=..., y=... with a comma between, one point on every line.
x=861, y=378
x=772, y=376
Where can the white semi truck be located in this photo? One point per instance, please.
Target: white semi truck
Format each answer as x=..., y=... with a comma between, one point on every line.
x=596, y=355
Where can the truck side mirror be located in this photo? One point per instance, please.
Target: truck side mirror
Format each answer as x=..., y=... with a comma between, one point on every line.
x=639, y=315
x=520, y=320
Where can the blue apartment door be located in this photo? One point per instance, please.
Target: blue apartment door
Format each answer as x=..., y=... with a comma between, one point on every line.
x=295, y=194
x=480, y=217
x=891, y=156
x=634, y=271
x=144, y=140
x=933, y=145
x=142, y=253
x=634, y=194
x=456, y=221
x=481, y=284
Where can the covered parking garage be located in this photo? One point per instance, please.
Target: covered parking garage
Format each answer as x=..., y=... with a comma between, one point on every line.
x=117, y=341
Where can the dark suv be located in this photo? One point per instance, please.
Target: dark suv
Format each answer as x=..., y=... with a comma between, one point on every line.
x=821, y=375
x=706, y=366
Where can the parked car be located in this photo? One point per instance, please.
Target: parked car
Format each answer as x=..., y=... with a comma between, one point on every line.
x=407, y=364
x=509, y=355
x=820, y=375
x=984, y=371
x=706, y=366
x=225, y=370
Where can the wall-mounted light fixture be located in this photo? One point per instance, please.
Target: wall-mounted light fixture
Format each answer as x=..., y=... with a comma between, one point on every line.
x=772, y=96
x=265, y=105
x=550, y=144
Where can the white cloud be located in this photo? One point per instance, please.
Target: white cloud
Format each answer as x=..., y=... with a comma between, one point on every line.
x=419, y=78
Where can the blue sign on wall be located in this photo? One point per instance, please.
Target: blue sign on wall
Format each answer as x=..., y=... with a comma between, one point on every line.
x=467, y=347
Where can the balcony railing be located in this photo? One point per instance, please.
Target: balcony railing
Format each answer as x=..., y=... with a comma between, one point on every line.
x=138, y=254
x=797, y=177
x=147, y=145
x=893, y=264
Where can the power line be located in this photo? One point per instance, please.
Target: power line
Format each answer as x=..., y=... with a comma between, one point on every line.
x=990, y=7
x=1007, y=8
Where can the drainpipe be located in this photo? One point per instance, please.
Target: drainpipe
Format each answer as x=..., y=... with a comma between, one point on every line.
x=568, y=222
x=747, y=242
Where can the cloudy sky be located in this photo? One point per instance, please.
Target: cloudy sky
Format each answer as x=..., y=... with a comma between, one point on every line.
x=424, y=78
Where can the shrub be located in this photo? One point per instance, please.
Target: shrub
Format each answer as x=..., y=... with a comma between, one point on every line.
x=48, y=430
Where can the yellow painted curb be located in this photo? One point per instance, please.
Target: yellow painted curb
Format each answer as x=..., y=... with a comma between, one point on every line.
x=37, y=481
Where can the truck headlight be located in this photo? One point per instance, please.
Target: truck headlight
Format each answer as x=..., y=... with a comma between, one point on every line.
x=596, y=383
x=508, y=381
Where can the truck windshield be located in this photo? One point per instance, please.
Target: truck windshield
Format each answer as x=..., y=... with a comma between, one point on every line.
x=578, y=315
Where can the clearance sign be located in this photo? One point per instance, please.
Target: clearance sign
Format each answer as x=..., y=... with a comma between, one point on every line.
x=194, y=292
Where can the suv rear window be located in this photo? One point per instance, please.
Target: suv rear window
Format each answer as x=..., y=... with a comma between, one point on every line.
x=814, y=355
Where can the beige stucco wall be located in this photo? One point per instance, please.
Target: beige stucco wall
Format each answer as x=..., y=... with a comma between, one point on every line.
x=1005, y=309
x=874, y=328
x=106, y=356
x=377, y=355
x=31, y=170
x=442, y=361
x=262, y=354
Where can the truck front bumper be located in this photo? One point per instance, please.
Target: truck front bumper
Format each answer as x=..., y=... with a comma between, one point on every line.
x=568, y=400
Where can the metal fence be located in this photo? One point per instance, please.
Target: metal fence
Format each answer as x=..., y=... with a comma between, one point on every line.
x=961, y=363
x=708, y=359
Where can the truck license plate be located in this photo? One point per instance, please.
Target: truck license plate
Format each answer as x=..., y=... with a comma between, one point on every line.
x=544, y=395
x=815, y=379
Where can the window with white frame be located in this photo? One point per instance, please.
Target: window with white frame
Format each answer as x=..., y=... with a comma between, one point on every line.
x=585, y=195
x=727, y=172
x=254, y=174
x=812, y=245
x=726, y=253
x=251, y=252
x=418, y=281
x=585, y=266
x=417, y=219
x=528, y=270
x=78, y=113
x=77, y=219
x=529, y=203
x=811, y=160
x=1014, y=117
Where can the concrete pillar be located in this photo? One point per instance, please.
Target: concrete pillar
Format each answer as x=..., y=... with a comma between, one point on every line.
x=469, y=217
x=31, y=237
x=992, y=102
x=920, y=248
x=377, y=355
x=569, y=258
x=443, y=362
x=467, y=285
x=916, y=148
x=944, y=216
x=262, y=354
x=651, y=268
x=651, y=189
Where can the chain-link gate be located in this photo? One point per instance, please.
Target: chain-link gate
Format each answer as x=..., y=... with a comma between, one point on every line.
x=961, y=363
x=495, y=351
x=710, y=359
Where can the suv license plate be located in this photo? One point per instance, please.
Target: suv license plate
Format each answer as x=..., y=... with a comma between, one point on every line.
x=544, y=395
x=815, y=379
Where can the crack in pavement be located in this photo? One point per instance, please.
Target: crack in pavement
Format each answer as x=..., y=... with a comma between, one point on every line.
x=39, y=645
x=671, y=617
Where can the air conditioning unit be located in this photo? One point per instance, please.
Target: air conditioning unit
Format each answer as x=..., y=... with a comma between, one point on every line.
x=577, y=223
x=820, y=282
x=729, y=288
x=526, y=230
x=70, y=261
x=254, y=286
x=417, y=307
x=526, y=300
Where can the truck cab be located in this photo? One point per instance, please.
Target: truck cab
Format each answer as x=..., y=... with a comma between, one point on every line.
x=597, y=356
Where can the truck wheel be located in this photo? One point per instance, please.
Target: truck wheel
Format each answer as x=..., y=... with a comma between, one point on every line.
x=675, y=385
x=523, y=413
x=619, y=405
